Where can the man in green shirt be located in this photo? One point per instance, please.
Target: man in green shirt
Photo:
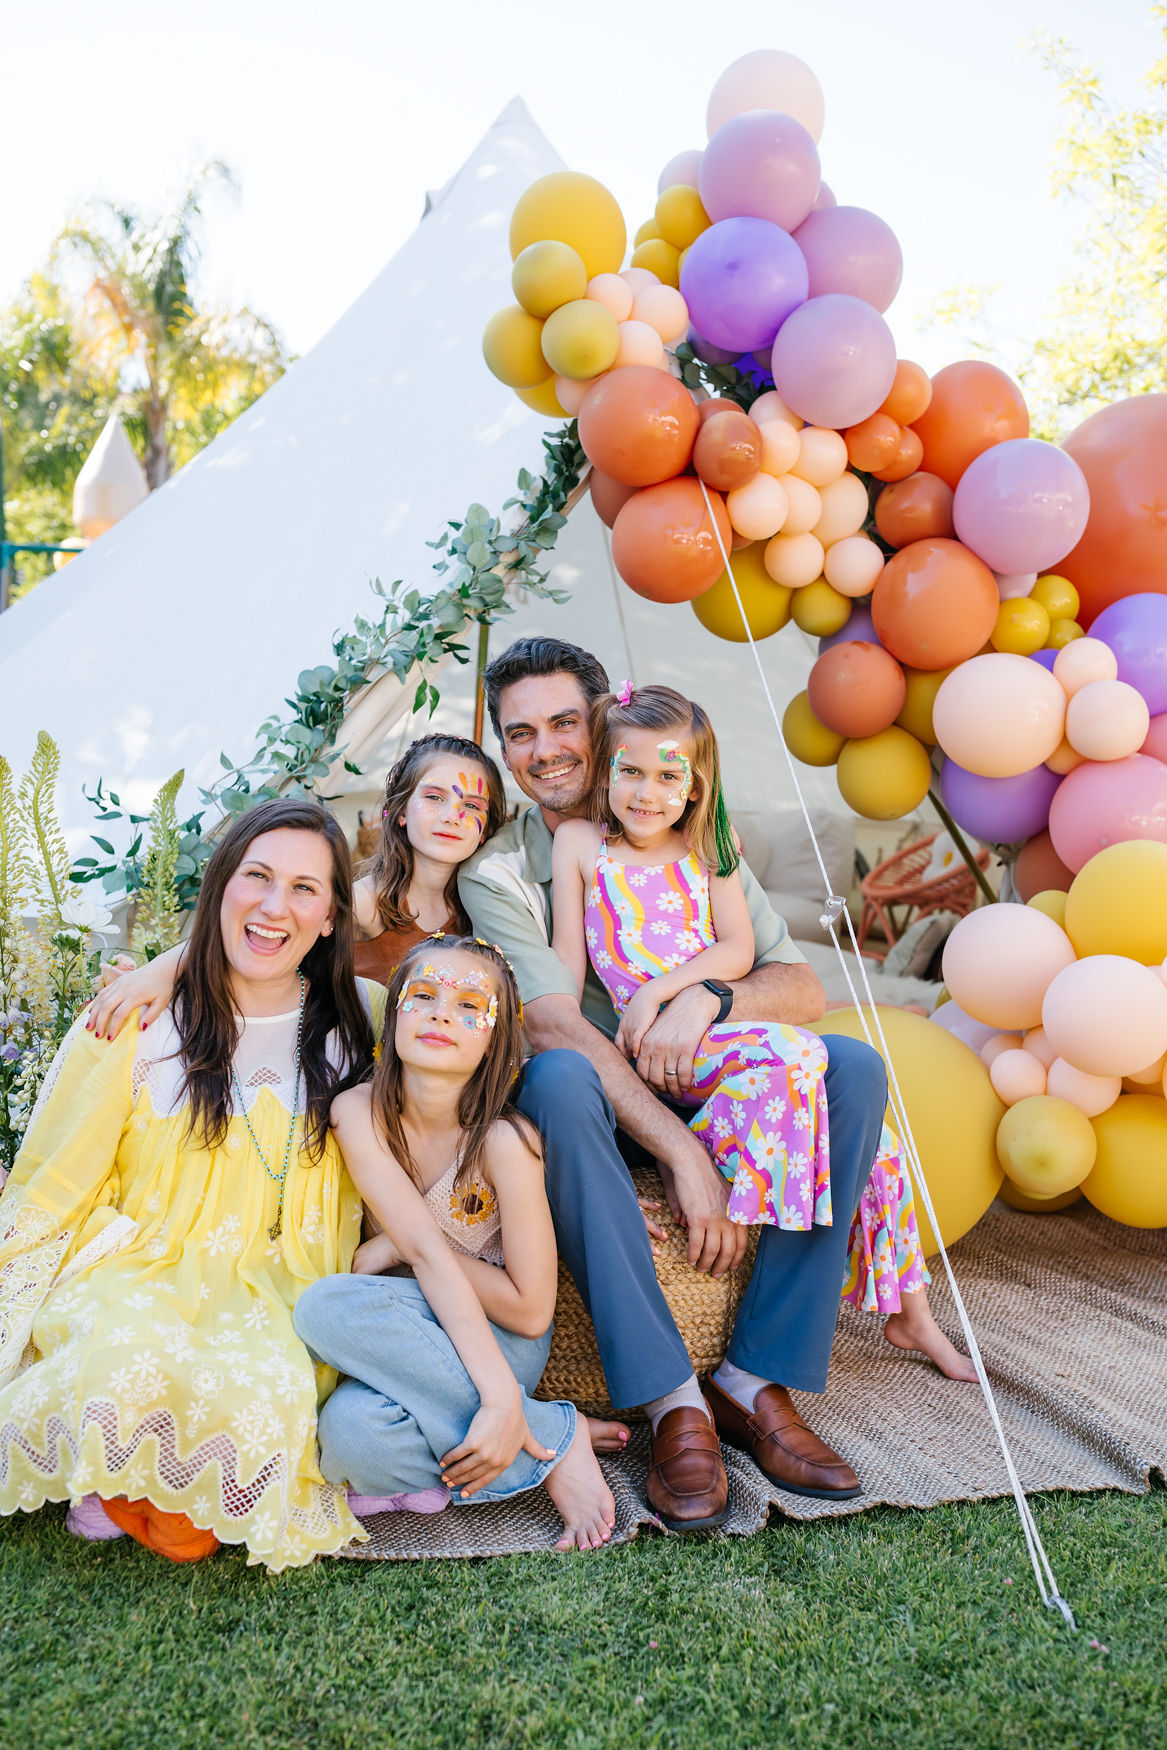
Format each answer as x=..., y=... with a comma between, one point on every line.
x=580, y=1090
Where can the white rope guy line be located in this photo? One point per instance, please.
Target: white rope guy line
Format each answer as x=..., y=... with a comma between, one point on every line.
x=836, y=908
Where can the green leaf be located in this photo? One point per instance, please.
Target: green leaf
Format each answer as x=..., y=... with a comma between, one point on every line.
x=103, y=845
x=227, y=765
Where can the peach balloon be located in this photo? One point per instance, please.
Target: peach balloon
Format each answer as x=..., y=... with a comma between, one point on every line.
x=664, y=309
x=1036, y=1043
x=636, y=278
x=844, y=509
x=779, y=446
x=638, y=344
x=910, y=393
x=874, y=442
x=758, y=509
x=1091, y=1094
x=853, y=565
x=611, y=291
x=571, y=392
x=1039, y=869
x=1106, y=720
x=771, y=406
x=999, y=715
x=916, y=509
x=822, y=455
x=1017, y=1075
x=1151, y=1076
x=805, y=505
x=1086, y=660
x=992, y=1048
x=1000, y=960
x=1064, y=758
x=794, y=560
x=1106, y=1014
x=1155, y=741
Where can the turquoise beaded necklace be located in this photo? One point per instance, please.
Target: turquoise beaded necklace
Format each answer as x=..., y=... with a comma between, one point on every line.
x=280, y=1178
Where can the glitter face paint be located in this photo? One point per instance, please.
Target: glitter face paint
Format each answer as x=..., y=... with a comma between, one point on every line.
x=410, y=995
x=614, y=765
x=470, y=791
x=670, y=753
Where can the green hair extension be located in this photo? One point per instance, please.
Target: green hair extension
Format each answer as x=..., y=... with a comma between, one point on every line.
x=727, y=851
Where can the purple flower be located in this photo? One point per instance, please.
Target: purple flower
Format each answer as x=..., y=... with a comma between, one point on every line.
x=9, y=1053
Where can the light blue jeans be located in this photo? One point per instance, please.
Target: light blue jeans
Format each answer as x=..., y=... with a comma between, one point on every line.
x=408, y=1400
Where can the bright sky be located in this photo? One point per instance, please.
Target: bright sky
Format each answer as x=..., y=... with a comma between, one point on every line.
x=337, y=118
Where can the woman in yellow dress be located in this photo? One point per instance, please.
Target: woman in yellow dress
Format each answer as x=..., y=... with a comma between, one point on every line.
x=177, y=1190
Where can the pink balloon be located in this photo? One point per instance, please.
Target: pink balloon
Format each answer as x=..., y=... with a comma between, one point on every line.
x=1017, y=1075
x=1155, y=744
x=999, y=961
x=1036, y=1042
x=1102, y=804
x=1020, y=505
x=824, y=199
x=767, y=79
x=1107, y=720
x=760, y=165
x=850, y=250
x=999, y=715
x=680, y=171
x=1107, y=1015
x=1091, y=1094
x=834, y=360
x=991, y=1050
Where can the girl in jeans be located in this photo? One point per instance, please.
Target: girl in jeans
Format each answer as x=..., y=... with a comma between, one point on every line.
x=440, y=1363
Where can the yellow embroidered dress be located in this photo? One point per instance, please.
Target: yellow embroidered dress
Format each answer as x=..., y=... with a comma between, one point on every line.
x=146, y=1340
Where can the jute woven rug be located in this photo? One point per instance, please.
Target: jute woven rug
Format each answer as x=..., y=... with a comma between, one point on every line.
x=1071, y=1314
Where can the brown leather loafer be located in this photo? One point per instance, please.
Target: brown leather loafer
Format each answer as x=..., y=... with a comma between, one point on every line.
x=781, y=1444
x=687, y=1486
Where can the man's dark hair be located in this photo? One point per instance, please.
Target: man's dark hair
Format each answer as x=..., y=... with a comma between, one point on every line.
x=540, y=656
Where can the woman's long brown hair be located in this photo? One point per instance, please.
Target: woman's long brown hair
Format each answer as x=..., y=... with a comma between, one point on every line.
x=487, y=1096
x=392, y=864
x=205, y=1014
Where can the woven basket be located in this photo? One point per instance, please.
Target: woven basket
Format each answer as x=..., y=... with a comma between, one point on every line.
x=704, y=1309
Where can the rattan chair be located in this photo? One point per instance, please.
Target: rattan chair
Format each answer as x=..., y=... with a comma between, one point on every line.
x=899, y=882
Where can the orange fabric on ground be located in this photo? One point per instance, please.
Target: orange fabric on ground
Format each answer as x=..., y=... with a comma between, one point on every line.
x=172, y=1535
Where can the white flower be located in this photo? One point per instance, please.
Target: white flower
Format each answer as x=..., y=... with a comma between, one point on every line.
x=690, y=942
x=120, y=1335
x=256, y=1316
x=669, y=902
x=722, y=1126
x=637, y=877
x=201, y=1506
x=139, y=1300
x=774, y=1110
x=591, y=936
x=263, y=1528
x=603, y=958
x=81, y=914
x=659, y=928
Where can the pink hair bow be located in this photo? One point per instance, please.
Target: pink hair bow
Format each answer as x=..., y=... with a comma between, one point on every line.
x=624, y=696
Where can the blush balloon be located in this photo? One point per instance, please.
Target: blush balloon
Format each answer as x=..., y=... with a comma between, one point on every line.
x=834, y=360
x=999, y=715
x=1102, y=804
x=1021, y=505
x=849, y=249
x=760, y=165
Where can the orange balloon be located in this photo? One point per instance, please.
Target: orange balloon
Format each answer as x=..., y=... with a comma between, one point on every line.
x=906, y=459
x=856, y=689
x=910, y=393
x=716, y=404
x=638, y=425
x=609, y=496
x=935, y=604
x=728, y=450
x=663, y=542
x=1123, y=453
x=915, y=509
x=1039, y=869
x=873, y=443
x=974, y=405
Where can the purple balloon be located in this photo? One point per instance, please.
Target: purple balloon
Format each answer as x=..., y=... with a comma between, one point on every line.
x=760, y=165
x=848, y=249
x=741, y=280
x=1136, y=630
x=834, y=360
x=1047, y=658
x=999, y=811
x=859, y=627
x=712, y=355
x=1021, y=505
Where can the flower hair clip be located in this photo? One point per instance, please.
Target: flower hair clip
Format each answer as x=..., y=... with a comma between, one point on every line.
x=624, y=696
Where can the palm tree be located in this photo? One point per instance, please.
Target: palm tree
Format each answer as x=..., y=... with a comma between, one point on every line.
x=184, y=373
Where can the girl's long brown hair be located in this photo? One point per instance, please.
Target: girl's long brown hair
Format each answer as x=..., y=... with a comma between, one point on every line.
x=487, y=1096
x=392, y=864
x=205, y=1014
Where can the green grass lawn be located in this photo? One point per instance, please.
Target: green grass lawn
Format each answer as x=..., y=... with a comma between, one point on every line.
x=889, y=1630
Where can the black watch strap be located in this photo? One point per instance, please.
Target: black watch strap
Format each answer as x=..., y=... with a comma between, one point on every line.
x=724, y=995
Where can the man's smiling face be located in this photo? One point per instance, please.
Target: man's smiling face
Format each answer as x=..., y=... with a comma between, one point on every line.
x=546, y=743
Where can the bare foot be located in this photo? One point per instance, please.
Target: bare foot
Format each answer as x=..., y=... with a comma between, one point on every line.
x=584, y=1500
x=913, y=1327
x=606, y=1436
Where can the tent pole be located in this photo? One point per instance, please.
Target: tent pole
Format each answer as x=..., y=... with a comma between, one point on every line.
x=479, y=694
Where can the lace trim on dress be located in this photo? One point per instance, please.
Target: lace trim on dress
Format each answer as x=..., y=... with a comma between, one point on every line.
x=29, y=1277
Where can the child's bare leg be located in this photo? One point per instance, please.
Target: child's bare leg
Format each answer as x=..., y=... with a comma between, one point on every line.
x=583, y=1498
x=914, y=1327
x=606, y=1436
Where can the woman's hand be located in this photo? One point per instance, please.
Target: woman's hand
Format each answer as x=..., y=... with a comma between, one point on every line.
x=149, y=990
x=638, y=1017
x=375, y=1256
x=497, y=1435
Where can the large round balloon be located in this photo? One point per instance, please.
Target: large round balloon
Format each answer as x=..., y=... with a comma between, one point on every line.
x=999, y=715
x=916, y=509
x=1021, y=505
x=856, y=689
x=935, y=604
x=974, y=405
x=1117, y=904
x=809, y=740
x=766, y=603
x=664, y=544
x=1129, y=1181
x=637, y=425
x=1106, y=1014
x=1039, y=869
x=884, y=776
x=1046, y=1146
x=1103, y=804
x=952, y=1110
x=760, y=165
x=741, y=279
x=728, y=450
x=850, y=250
x=834, y=359
x=574, y=209
x=1135, y=628
x=1122, y=451
x=999, y=811
x=767, y=79
x=1000, y=960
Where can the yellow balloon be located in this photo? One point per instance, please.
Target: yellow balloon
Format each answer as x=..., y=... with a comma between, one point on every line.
x=766, y=603
x=1129, y=1181
x=510, y=346
x=953, y=1112
x=543, y=399
x=820, y=610
x=680, y=217
x=922, y=687
x=1057, y=596
x=1046, y=1145
x=809, y=740
x=659, y=258
x=646, y=233
x=884, y=776
x=581, y=339
x=546, y=275
x=1063, y=632
x=1022, y=627
x=573, y=209
x=1117, y=903
x=1037, y=1205
x=1052, y=903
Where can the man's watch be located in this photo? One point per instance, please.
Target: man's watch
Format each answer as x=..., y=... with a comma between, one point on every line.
x=724, y=996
